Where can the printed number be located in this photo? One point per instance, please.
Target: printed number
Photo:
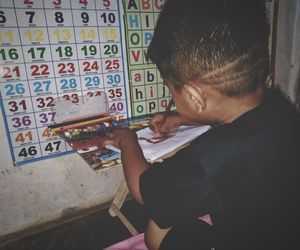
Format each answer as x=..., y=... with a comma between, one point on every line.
x=110, y=17
x=39, y=70
x=92, y=81
x=28, y=2
x=45, y=102
x=110, y=34
x=113, y=93
x=8, y=35
x=87, y=66
x=59, y=17
x=113, y=79
x=37, y=52
x=95, y=93
x=51, y=146
x=85, y=17
x=112, y=64
x=10, y=73
x=45, y=117
x=62, y=34
x=73, y=98
x=22, y=138
x=41, y=86
x=89, y=50
x=14, y=106
x=14, y=89
x=87, y=34
x=106, y=3
x=36, y=35
x=111, y=49
x=47, y=133
x=11, y=54
x=116, y=107
x=84, y=2
x=66, y=68
x=64, y=51
x=57, y=2
x=31, y=151
x=31, y=15
x=2, y=17
x=68, y=84
x=18, y=122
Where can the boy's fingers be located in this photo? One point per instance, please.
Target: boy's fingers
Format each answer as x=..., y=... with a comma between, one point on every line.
x=107, y=142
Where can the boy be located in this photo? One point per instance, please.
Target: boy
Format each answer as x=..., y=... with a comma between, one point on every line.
x=244, y=173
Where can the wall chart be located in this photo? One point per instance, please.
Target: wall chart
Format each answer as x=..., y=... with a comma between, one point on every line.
x=67, y=49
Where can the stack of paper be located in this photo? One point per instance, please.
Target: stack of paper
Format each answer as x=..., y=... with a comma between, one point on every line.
x=157, y=148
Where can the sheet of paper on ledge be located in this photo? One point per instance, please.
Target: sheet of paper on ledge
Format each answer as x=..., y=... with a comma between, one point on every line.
x=159, y=151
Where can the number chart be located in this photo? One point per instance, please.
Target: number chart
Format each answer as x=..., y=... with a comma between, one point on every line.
x=52, y=49
x=65, y=50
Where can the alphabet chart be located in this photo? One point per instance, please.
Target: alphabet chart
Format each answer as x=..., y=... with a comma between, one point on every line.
x=147, y=90
x=67, y=49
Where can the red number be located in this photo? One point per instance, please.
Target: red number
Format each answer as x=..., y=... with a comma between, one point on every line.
x=57, y=2
x=66, y=68
x=87, y=66
x=28, y=2
x=7, y=72
x=84, y=2
x=36, y=70
x=112, y=64
x=106, y=3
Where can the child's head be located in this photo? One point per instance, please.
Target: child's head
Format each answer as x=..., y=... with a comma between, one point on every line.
x=220, y=43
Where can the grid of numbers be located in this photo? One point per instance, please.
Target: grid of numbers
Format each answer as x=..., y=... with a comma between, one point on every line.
x=56, y=49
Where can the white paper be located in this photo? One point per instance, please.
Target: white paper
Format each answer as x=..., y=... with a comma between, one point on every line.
x=156, y=151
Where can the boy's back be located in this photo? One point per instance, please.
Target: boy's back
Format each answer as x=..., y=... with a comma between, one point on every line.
x=252, y=165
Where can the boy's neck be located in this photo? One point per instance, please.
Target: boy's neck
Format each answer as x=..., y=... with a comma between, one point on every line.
x=230, y=108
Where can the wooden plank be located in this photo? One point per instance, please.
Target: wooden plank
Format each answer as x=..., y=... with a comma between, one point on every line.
x=119, y=197
x=124, y=220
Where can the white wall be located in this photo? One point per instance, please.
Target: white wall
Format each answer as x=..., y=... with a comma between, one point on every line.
x=287, y=66
x=46, y=190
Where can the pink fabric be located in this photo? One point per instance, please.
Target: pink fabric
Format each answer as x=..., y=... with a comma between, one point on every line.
x=137, y=242
x=206, y=218
x=133, y=243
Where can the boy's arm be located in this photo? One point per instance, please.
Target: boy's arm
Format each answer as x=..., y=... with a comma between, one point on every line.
x=133, y=160
x=134, y=164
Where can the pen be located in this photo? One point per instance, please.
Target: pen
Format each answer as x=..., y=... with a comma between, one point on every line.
x=170, y=104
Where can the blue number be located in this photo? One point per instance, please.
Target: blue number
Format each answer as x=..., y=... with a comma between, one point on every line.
x=113, y=79
x=17, y=89
x=92, y=81
x=39, y=86
x=68, y=84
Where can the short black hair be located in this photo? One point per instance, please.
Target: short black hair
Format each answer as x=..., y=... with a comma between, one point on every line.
x=222, y=43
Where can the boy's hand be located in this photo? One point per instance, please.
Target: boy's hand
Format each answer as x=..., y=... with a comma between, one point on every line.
x=163, y=123
x=118, y=138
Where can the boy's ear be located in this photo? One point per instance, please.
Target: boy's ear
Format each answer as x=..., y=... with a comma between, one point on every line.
x=196, y=96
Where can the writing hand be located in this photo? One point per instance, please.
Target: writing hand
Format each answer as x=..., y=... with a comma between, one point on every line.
x=163, y=123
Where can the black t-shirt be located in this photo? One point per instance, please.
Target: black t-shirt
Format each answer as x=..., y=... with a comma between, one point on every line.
x=244, y=174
